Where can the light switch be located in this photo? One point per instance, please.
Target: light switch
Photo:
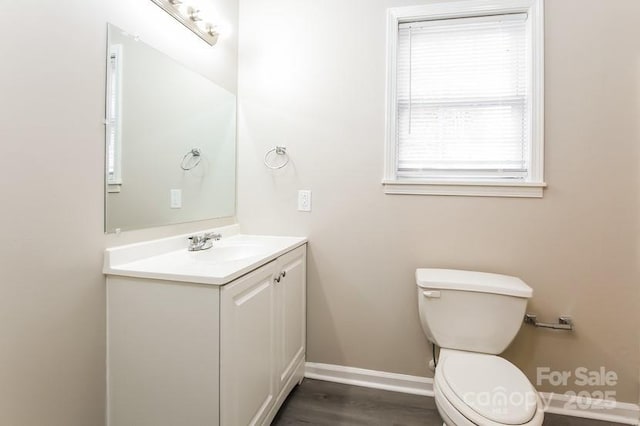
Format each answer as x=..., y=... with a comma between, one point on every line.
x=304, y=200
x=176, y=198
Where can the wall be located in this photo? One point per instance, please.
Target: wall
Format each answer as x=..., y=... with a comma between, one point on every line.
x=52, y=295
x=312, y=77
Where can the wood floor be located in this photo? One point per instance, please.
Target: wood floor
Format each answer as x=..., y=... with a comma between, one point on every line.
x=320, y=403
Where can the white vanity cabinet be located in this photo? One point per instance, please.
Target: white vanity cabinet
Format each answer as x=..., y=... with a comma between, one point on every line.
x=262, y=339
x=291, y=316
x=197, y=354
x=162, y=353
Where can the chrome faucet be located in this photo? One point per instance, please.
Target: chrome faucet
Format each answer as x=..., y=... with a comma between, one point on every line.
x=203, y=242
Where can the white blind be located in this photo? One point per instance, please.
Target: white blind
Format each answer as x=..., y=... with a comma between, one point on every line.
x=463, y=98
x=114, y=119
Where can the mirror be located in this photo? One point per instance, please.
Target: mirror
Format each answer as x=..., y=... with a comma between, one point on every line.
x=170, y=140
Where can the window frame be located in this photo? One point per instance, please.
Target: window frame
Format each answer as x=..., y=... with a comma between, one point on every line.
x=534, y=185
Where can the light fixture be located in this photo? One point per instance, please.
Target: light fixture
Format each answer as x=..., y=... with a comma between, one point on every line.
x=190, y=18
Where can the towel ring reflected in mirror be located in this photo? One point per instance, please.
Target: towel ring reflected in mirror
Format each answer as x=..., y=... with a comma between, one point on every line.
x=191, y=159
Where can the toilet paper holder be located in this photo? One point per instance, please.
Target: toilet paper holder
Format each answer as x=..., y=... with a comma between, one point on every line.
x=564, y=322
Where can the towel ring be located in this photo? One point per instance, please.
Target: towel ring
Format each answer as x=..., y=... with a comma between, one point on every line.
x=191, y=159
x=280, y=151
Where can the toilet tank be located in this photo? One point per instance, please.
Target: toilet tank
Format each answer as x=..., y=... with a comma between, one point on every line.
x=471, y=311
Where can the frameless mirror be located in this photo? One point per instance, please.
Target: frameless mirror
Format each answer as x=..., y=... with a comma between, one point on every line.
x=170, y=140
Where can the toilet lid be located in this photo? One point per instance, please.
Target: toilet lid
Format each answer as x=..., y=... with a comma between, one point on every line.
x=491, y=386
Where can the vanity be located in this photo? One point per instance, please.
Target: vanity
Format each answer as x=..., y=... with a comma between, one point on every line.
x=211, y=337
x=203, y=331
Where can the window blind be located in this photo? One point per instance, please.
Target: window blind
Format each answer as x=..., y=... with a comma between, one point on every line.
x=463, y=98
x=114, y=101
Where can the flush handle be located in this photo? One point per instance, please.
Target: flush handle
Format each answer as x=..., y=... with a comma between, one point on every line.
x=431, y=294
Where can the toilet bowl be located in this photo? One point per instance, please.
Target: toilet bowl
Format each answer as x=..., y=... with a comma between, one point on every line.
x=473, y=317
x=478, y=389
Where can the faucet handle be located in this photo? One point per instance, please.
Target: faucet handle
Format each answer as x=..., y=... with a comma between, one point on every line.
x=202, y=242
x=212, y=236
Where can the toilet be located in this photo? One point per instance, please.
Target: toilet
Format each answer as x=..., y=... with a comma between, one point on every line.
x=472, y=317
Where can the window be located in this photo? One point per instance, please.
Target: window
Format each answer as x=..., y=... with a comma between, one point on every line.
x=114, y=119
x=465, y=99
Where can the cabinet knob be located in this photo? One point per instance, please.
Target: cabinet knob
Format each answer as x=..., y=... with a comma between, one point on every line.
x=276, y=279
x=283, y=274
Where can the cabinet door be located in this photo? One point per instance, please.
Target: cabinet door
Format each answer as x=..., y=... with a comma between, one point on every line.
x=290, y=313
x=247, y=382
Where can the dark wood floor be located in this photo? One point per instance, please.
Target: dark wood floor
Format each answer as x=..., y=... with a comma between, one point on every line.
x=315, y=402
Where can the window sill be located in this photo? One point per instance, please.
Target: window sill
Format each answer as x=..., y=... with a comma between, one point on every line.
x=464, y=189
x=114, y=188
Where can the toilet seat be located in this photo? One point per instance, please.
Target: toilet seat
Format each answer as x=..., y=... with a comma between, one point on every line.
x=480, y=389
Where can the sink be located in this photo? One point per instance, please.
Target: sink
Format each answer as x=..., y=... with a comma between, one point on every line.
x=168, y=258
x=228, y=253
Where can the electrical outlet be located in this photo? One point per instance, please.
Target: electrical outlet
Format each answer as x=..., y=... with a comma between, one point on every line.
x=176, y=198
x=304, y=200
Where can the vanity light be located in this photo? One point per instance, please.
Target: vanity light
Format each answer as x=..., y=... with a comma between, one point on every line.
x=190, y=18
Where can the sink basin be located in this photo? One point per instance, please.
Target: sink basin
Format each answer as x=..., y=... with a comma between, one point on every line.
x=168, y=258
x=228, y=253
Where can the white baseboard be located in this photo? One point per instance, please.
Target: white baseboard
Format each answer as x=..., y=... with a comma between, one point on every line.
x=370, y=378
x=616, y=412
x=610, y=411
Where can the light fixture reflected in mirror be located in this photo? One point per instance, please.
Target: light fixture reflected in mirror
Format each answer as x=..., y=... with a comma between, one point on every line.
x=190, y=18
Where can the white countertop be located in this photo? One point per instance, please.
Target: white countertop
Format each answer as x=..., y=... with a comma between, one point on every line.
x=168, y=258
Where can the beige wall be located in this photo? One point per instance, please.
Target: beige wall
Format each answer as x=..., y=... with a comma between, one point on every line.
x=312, y=77
x=52, y=296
